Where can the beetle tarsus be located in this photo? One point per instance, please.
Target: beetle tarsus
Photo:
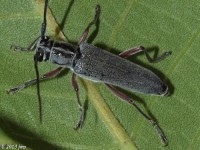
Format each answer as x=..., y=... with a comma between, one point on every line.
x=12, y=90
x=160, y=133
x=81, y=119
x=81, y=109
x=155, y=59
x=18, y=48
x=86, y=31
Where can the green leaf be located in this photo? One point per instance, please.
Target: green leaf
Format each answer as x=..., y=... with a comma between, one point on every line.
x=109, y=123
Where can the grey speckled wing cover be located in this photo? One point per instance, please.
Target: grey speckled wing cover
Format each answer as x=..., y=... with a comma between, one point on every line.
x=101, y=66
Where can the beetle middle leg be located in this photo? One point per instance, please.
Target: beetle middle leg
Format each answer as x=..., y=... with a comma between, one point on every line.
x=81, y=109
x=28, y=83
x=126, y=98
x=134, y=51
x=85, y=32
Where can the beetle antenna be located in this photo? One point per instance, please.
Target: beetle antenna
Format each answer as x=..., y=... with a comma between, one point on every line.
x=38, y=84
x=43, y=30
x=44, y=24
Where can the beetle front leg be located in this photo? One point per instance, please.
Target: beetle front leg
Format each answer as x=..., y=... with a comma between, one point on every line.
x=148, y=118
x=85, y=32
x=81, y=109
x=29, y=48
x=28, y=83
x=134, y=51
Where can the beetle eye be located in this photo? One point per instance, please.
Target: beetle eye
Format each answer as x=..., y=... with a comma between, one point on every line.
x=40, y=55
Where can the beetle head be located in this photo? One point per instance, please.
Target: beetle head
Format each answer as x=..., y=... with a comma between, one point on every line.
x=43, y=48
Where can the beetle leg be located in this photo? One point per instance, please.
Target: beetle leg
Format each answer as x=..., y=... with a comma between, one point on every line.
x=81, y=109
x=28, y=83
x=134, y=51
x=85, y=32
x=156, y=59
x=29, y=48
x=148, y=118
x=130, y=52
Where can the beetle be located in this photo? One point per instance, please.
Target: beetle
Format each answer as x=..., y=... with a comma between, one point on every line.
x=93, y=63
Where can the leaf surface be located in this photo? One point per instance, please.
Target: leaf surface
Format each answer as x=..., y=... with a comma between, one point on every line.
x=109, y=123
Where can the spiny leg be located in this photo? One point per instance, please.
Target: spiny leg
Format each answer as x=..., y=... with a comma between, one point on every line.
x=134, y=51
x=148, y=118
x=85, y=33
x=28, y=83
x=81, y=109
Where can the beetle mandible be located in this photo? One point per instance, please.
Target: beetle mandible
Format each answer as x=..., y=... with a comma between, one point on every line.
x=93, y=63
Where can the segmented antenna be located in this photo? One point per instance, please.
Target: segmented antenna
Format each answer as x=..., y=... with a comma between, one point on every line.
x=36, y=56
x=44, y=24
x=38, y=84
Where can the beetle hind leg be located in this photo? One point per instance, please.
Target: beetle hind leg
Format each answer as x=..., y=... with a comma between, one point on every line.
x=126, y=98
x=81, y=109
